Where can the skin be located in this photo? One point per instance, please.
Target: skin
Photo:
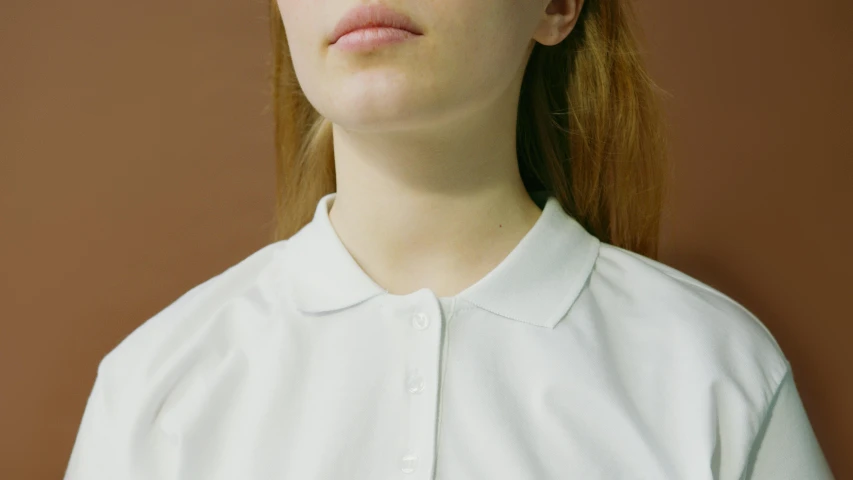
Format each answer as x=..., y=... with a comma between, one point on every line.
x=428, y=189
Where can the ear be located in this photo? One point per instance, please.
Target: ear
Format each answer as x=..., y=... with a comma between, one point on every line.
x=558, y=20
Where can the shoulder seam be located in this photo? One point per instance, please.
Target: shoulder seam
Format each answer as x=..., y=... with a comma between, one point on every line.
x=787, y=373
x=695, y=282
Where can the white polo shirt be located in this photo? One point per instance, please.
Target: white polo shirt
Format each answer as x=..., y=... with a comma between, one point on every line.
x=572, y=359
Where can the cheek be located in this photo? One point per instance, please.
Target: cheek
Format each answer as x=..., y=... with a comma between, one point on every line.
x=302, y=24
x=304, y=38
x=485, y=39
x=484, y=60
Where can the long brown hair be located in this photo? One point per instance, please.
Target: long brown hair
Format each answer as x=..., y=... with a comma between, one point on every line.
x=591, y=131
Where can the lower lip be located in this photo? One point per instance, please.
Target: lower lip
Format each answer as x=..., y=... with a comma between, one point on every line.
x=370, y=38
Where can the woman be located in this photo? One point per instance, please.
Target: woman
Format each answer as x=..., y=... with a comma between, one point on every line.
x=462, y=283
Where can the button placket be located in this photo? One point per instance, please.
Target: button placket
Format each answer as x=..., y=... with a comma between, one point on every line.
x=415, y=381
x=420, y=384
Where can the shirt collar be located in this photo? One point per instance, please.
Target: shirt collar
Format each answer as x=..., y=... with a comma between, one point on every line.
x=535, y=284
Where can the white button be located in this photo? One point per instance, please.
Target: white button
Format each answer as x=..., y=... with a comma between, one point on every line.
x=420, y=320
x=415, y=383
x=408, y=463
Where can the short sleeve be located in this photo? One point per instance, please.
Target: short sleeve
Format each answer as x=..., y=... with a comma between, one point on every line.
x=786, y=447
x=92, y=453
x=116, y=438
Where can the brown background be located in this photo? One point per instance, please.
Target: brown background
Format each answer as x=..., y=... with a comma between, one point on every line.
x=136, y=161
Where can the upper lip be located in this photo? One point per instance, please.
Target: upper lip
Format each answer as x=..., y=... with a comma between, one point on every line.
x=375, y=15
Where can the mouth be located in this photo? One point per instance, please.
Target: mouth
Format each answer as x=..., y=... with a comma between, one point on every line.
x=370, y=38
x=374, y=24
